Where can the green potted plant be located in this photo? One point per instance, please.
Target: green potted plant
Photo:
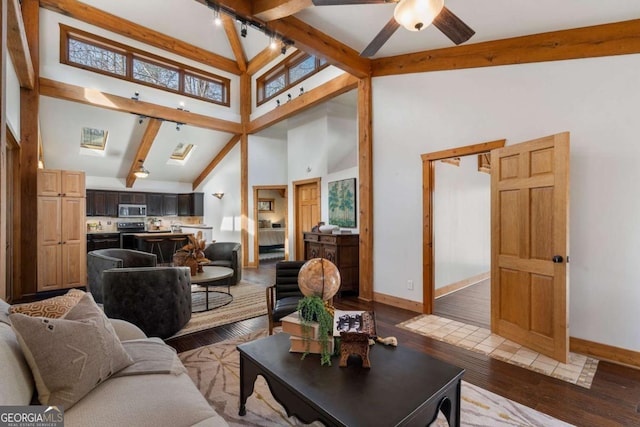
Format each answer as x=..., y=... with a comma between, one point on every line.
x=313, y=309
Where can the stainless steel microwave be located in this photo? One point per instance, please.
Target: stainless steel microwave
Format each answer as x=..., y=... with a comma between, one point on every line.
x=132, y=211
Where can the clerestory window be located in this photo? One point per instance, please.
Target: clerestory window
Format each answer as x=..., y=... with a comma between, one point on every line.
x=90, y=52
x=286, y=74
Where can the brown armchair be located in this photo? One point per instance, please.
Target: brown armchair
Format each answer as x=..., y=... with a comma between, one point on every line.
x=283, y=296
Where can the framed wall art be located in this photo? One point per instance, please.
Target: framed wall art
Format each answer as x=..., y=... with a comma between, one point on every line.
x=342, y=203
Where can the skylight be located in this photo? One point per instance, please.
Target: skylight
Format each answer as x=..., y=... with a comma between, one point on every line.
x=181, y=151
x=93, y=139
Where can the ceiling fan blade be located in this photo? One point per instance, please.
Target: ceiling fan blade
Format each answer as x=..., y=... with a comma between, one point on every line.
x=453, y=27
x=344, y=2
x=380, y=39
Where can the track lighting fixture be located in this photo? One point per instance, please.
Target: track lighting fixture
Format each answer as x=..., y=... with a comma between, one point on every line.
x=301, y=91
x=272, y=43
x=245, y=23
x=216, y=18
x=178, y=127
x=136, y=96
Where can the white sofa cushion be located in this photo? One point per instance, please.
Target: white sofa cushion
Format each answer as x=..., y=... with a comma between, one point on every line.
x=16, y=382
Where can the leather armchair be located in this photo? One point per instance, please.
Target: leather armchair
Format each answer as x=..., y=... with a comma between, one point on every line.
x=283, y=296
x=157, y=299
x=105, y=259
x=226, y=254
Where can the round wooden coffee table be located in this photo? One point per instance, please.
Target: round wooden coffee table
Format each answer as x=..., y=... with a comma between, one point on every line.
x=212, y=276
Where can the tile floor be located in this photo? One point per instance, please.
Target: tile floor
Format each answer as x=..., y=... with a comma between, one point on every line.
x=580, y=369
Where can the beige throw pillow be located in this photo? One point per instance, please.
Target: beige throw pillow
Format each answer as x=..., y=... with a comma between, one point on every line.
x=52, y=308
x=71, y=356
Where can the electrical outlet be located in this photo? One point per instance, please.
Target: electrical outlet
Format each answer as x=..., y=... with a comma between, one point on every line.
x=410, y=285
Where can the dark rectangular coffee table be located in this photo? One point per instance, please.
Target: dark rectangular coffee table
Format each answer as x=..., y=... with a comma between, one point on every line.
x=403, y=387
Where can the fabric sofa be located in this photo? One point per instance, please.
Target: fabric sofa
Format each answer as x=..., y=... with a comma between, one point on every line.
x=105, y=259
x=226, y=254
x=148, y=399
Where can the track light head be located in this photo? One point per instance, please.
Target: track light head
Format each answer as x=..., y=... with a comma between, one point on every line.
x=243, y=30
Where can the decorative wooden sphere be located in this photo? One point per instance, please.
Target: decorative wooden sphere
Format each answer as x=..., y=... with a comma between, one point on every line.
x=318, y=274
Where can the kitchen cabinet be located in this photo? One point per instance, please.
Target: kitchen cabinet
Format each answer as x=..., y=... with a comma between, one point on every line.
x=131, y=198
x=102, y=241
x=155, y=204
x=170, y=204
x=61, y=257
x=342, y=250
x=105, y=203
x=191, y=204
x=89, y=203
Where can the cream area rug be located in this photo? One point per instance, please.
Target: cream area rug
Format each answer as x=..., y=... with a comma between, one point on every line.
x=579, y=370
x=215, y=370
x=249, y=301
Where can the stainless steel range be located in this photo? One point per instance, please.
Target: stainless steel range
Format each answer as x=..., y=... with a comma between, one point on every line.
x=127, y=230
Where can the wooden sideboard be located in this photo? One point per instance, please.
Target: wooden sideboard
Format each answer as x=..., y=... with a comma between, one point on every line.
x=340, y=249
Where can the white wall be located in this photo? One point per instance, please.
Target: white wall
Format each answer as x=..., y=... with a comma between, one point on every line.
x=142, y=184
x=267, y=166
x=224, y=214
x=595, y=99
x=13, y=100
x=461, y=221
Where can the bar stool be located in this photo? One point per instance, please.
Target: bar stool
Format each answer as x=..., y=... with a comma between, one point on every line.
x=155, y=242
x=175, y=241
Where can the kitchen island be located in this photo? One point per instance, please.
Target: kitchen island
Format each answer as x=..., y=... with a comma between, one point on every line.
x=163, y=243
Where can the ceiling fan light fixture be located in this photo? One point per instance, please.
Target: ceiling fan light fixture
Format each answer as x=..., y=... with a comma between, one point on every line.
x=415, y=15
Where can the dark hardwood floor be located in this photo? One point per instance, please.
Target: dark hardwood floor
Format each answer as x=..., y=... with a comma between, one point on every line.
x=471, y=305
x=613, y=400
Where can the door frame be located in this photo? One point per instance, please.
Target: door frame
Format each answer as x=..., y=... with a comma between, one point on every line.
x=296, y=231
x=256, y=191
x=428, y=184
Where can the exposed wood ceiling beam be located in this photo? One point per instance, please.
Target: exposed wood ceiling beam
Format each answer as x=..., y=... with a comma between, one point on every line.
x=269, y=10
x=143, y=149
x=232, y=34
x=317, y=43
x=221, y=155
x=261, y=59
x=328, y=90
x=96, y=98
x=107, y=21
x=18, y=47
x=619, y=38
x=241, y=7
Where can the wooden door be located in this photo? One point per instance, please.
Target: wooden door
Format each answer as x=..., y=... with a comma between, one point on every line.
x=74, y=242
x=307, y=211
x=49, y=243
x=529, y=244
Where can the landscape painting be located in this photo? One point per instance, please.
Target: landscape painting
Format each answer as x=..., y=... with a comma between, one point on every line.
x=342, y=203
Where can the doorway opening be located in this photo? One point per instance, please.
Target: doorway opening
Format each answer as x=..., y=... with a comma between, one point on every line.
x=430, y=162
x=270, y=243
x=462, y=233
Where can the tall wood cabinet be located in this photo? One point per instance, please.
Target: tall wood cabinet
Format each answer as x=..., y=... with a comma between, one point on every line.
x=340, y=249
x=62, y=256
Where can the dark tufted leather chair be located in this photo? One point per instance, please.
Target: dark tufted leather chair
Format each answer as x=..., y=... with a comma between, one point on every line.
x=283, y=296
x=226, y=254
x=157, y=300
x=105, y=259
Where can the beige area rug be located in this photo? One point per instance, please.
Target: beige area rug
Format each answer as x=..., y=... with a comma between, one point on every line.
x=249, y=301
x=215, y=370
x=580, y=370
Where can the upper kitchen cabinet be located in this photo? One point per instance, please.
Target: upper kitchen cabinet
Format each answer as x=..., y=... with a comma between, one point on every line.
x=155, y=204
x=170, y=204
x=191, y=204
x=131, y=198
x=53, y=182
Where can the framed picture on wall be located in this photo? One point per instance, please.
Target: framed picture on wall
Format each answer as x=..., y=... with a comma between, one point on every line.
x=342, y=203
x=266, y=205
